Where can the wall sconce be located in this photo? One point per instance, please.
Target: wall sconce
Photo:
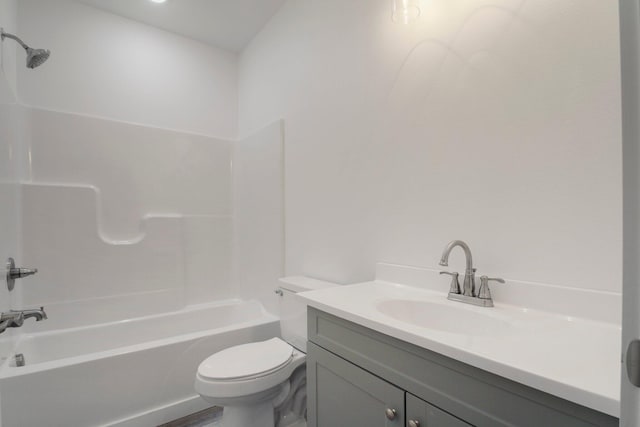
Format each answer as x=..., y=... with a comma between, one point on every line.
x=406, y=11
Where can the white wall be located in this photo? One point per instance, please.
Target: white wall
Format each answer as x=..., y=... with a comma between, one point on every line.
x=258, y=194
x=108, y=66
x=492, y=121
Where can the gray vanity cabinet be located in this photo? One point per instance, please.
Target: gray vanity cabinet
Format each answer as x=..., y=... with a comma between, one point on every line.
x=345, y=395
x=355, y=375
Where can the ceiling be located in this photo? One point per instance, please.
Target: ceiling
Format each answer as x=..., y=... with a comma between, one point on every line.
x=228, y=24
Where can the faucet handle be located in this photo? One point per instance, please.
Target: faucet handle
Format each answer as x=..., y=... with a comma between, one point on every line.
x=14, y=273
x=484, y=292
x=14, y=319
x=455, y=284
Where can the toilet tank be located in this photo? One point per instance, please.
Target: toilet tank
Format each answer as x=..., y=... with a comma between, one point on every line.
x=293, y=311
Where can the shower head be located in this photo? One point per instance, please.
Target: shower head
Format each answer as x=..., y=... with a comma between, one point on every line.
x=35, y=57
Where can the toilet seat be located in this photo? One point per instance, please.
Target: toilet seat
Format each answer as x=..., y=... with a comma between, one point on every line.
x=246, y=360
x=247, y=369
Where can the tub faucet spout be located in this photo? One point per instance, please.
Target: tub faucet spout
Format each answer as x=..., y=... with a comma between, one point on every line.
x=16, y=318
x=38, y=313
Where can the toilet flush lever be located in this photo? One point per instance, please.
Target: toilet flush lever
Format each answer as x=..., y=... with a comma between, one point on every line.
x=14, y=273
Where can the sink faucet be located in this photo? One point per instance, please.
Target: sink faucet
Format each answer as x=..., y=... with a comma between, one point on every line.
x=468, y=294
x=469, y=285
x=15, y=319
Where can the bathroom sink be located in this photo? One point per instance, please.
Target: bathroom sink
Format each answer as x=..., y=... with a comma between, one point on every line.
x=443, y=318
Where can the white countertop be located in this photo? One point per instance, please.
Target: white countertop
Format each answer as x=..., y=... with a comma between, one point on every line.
x=573, y=358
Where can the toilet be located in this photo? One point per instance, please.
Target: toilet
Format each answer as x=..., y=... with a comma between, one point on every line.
x=263, y=384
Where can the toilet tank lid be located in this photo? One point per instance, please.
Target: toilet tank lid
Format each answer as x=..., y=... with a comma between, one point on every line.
x=302, y=284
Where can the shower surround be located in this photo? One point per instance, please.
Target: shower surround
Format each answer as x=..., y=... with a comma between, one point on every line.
x=141, y=235
x=113, y=209
x=140, y=207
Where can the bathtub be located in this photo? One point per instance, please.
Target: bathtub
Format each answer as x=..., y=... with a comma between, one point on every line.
x=138, y=372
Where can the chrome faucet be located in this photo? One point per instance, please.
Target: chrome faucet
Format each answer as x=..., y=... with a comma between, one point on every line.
x=16, y=318
x=37, y=313
x=469, y=284
x=12, y=319
x=468, y=293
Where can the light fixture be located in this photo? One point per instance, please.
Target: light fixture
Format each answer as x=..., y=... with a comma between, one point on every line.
x=159, y=1
x=406, y=11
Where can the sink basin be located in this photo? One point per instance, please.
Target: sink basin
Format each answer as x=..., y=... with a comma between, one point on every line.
x=443, y=318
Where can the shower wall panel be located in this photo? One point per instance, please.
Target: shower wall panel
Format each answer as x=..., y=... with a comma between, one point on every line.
x=116, y=212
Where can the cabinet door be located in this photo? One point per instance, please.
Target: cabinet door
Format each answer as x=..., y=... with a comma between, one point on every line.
x=342, y=395
x=425, y=415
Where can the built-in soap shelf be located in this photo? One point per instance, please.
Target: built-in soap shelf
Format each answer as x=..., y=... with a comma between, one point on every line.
x=73, y=195
x=79, y=261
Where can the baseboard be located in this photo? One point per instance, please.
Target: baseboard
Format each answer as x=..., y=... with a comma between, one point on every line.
x=207, y=416
x=163, y=414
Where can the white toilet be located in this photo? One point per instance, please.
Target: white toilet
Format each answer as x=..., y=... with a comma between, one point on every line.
x=263, y=384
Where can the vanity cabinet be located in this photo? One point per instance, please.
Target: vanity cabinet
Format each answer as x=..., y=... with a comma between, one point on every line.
x=346, y=395
x=356, y=376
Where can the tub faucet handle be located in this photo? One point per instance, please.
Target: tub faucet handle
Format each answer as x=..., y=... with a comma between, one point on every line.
x=14, y=273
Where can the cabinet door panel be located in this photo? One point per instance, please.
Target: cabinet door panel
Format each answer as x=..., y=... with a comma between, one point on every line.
x=343, y=395
x=429, y=416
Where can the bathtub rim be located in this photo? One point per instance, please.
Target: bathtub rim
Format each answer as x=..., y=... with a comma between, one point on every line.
x=8, y=371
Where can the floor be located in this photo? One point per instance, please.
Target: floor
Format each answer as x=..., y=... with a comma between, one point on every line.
x=211, y=417
x=208, y=418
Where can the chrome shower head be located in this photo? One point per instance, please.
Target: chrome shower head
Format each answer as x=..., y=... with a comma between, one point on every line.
x=35, y=57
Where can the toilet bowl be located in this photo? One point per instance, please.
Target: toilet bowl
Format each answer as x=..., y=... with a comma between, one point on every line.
x=249, y=381
x=263, y=384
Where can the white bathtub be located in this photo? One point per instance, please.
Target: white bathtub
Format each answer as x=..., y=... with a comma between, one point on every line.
x=137, y=372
